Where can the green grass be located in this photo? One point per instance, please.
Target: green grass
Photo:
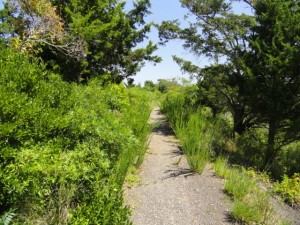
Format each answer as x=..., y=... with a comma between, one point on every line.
x=239, y=185
x=221, y=166
x=192, y=130
x=251, y=205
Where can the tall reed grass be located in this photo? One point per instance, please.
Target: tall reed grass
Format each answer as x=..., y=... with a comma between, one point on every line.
x=192, y=128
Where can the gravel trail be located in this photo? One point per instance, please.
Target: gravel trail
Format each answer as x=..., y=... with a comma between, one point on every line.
x=168, y=192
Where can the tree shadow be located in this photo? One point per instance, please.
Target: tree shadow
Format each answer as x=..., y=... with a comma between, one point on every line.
x=177, y=151
x=164, y=129
x=171, y=173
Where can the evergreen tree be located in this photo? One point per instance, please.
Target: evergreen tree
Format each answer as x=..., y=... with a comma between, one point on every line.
x=220, y=34
x=102, y=38
x=272, y=71
x=111, y=37
x=256, y=63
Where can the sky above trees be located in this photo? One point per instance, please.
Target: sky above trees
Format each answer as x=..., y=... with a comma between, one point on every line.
x=170, y=10
x=164, y=10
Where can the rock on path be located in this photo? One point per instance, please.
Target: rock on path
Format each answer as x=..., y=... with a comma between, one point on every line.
x=168, y=192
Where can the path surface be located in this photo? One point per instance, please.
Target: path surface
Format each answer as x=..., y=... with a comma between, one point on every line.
x=168, y=192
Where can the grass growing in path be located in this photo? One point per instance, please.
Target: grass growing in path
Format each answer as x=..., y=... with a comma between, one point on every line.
x=251, y=205
x=192, y=129
x=204, y=137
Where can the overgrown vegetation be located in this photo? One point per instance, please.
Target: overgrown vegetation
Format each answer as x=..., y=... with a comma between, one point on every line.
x=69, y=128
x=289, y=189
x=196, y=128
x=207, y=138
x=252, y=82
x=66, y=148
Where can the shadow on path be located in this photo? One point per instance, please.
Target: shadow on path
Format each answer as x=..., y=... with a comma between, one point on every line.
x=178, y=172
x=164, y=129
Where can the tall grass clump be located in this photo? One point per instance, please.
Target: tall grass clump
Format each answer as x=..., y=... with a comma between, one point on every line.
x=254, y=209
x=193, y=127
x=195, y=139
x=251, y=205
x=65, y=148
x=221, y=166
x=238, y=184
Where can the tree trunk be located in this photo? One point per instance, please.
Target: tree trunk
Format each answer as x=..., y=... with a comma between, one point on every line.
x=238, y=124
x=270, y=153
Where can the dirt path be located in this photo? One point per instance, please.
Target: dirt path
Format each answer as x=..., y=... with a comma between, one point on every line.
x=168, y=192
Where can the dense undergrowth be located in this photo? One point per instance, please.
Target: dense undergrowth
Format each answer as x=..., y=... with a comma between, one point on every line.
x=208, y=138
x=202, y=137
x=65, y=148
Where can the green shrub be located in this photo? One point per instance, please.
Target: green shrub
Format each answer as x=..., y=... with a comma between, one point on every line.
x=289, y=189
x=287, y=162
x=66, y=148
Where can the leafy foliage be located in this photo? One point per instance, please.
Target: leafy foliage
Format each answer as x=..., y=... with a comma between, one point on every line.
x=289, y=189
x=6, y=218
x=81, y=39
x=272, y=67
x=255, y=69
x=65, y=148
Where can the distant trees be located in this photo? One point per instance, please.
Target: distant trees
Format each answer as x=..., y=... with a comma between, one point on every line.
x=256, y=67
x=82, y=39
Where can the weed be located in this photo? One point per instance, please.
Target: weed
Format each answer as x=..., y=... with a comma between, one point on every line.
x=221, y=167
x=238, y=185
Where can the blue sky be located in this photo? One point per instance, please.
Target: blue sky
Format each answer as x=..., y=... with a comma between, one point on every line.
x=165, y=10
x=170, y=10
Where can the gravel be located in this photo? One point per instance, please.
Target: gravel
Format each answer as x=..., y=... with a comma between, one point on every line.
x=169, y=192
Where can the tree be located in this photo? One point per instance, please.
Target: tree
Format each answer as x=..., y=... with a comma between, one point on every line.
x=111, y=36
x=272, y=71
x=256, y=62
x=149, y=85
x=221, y=35
x=218, y=88
x=29, y=24
x=106, y=36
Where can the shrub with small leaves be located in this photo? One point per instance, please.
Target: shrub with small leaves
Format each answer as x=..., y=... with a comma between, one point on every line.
x=289, y=189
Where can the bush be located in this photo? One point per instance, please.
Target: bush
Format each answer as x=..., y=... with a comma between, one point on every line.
x=289, y=189
x=66, y=148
